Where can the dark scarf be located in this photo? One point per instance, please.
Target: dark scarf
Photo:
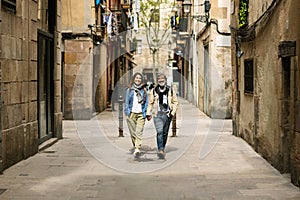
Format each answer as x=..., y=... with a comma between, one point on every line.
x=137, y=89
x=161, y=94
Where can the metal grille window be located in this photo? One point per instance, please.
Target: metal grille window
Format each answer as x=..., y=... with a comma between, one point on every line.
x=248, y=76
x=9, y=5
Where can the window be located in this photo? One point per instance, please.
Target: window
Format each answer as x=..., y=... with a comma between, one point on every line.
x=243, y=13
x=139, y=47
x=155, y=16
x=9, y=5
x=39, y=9
x=248, y=76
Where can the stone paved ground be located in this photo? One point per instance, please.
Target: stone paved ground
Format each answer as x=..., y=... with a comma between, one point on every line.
x=205, y=161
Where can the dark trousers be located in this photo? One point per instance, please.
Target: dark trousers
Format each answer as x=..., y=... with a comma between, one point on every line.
x=162, y=125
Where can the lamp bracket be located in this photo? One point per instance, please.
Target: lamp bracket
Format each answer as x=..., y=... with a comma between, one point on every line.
x=201, y=18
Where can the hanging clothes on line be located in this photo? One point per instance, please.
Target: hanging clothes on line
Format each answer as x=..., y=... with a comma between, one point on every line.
x=115, y=28
x=105, y=17
x=112, y=26
x=137, y=6
x=109, y=25
x=135, y=22
x=131, y=19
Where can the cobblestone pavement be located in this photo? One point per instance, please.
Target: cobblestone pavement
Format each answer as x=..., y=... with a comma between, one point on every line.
x=205, y=161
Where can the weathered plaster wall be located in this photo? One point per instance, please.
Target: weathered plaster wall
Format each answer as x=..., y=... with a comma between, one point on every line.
x=247, y=106
x=267, y=91
x=200, y=70
x=219, y=82
x=293, y=32
x=263, y=114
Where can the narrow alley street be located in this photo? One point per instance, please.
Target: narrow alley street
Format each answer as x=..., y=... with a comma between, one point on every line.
x=205, y=161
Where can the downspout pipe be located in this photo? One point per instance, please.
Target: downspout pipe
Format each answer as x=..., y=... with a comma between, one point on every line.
x=215, y=22
x=208, y=24
x=1, y=92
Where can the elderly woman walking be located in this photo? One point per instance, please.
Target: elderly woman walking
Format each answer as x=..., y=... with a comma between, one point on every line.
x=136, y=103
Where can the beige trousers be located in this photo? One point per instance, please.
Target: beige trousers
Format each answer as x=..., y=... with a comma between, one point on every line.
x=135, y=123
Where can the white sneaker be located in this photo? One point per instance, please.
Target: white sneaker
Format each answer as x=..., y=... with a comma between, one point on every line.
x=136, y=152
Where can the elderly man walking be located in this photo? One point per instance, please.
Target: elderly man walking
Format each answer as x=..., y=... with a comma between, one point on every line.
x=162, y=105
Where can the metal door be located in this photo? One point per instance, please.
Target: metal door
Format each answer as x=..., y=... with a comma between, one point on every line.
x=286, y=114
x=45, y=86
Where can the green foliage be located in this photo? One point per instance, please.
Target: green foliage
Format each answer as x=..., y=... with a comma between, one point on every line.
x=150, y=12
x=243, y=13
x=157, y=27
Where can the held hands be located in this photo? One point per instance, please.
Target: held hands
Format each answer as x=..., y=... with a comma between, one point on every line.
x=149, y=117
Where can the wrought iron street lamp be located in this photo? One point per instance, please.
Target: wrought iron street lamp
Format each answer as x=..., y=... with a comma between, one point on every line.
x=96, y=38
x=206, y=6
x=201, y=18
x=187, y=6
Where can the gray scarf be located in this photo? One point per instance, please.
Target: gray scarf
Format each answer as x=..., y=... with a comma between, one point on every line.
x=137, y=89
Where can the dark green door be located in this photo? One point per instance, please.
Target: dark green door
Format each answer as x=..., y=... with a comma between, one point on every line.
x=45, y=86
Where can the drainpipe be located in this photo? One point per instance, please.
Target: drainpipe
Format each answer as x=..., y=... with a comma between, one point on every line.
x=195, y=62
x=28, y=74
x=1, y=89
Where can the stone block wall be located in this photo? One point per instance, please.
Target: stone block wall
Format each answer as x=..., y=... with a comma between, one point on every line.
x=295, y=150
x=78, y=79
x=101, y=95
x=19, y=83
x=58, y=115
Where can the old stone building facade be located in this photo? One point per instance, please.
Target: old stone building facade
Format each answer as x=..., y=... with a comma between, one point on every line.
x=200, y=55
x=213, y=58
x=154, y=40
x=96, y=54
x=265, y=49
x=78, y=57
x=30, y=81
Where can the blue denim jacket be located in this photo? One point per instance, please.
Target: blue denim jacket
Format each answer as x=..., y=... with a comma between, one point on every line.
x=129, y=102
